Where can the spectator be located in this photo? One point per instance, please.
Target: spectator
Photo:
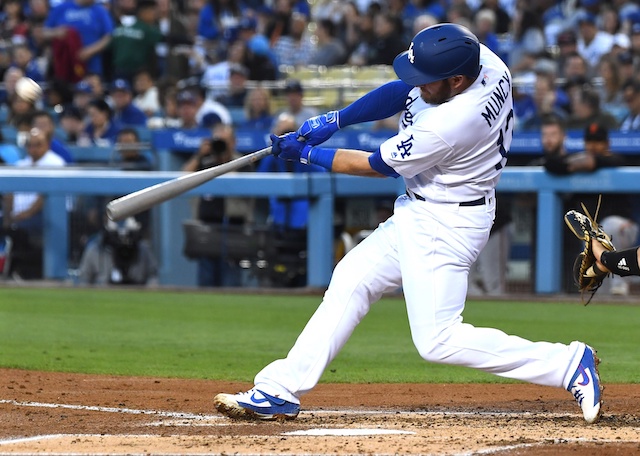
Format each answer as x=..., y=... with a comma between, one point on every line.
x=218, y=24
x=11, y=76
x=14, y=26
x=209, y=111
x=329, y=49
x=349, y=26
x=280, y=20
x=552, y=137
x=546, y=100
x=133, y=47
x=96, y=82
x=22, y=217
x=43, y=121
x=83, y=29
x=625, y=65
x=257, y=110
x=236, y=93
x=256, y=42
x=221, y=212
x=631, y=93
x=387, y=42
x=567, y=46
x=485, y=24
x=296, y=48
x=101, y=130
x=610, y=90
x=23, y=58
x=592, y=42
x=187, y=110
x=585, y=110
x=147, y=97
x=359, y=55
x=129, y=152
x=169, y=116
x=503, y=20
x=119, y=256
x=294, y=94
x=72, y=123
x=176, y=46
x=288, y=217
x=124, y=111
x=19, y=108
x=83, y=95
x=528, y=40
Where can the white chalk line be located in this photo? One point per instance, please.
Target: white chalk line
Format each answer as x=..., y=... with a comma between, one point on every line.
x=201, y=417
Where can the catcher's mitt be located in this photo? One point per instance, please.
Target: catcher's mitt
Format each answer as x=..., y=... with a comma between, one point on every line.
x=586, y=275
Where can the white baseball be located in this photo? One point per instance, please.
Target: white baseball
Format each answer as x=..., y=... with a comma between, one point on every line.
x=28, y=89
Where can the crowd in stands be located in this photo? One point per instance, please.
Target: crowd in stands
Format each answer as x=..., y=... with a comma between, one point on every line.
x=112, y=67
x=119, y=63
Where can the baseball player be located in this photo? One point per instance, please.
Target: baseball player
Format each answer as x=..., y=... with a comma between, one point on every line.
x=454, y=136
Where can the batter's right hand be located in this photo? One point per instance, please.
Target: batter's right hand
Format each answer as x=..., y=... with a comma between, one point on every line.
x=317, y=130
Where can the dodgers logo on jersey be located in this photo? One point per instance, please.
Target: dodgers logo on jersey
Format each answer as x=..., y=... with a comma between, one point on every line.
x=410, y=54
x=405, y=147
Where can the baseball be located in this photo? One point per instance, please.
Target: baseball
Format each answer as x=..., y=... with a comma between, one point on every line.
x=28, y=89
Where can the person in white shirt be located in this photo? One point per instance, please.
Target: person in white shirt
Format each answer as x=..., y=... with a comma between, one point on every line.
x=592, y=43
x=24, y=209
x=22, y=219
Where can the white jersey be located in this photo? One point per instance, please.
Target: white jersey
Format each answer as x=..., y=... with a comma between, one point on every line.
x=22, y=201
x=455, y=151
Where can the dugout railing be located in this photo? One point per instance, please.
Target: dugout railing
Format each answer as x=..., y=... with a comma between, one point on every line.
x=321, y=189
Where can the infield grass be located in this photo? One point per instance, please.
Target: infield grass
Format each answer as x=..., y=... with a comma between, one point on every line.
x=231, y=336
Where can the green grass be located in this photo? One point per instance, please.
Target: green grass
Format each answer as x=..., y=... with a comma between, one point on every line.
x=232, y=336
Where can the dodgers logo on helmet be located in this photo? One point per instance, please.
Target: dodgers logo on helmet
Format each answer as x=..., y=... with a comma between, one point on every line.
x=410, y=54
x=439, y=52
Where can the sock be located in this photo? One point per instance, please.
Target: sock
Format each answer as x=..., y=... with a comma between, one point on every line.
x=622, y=263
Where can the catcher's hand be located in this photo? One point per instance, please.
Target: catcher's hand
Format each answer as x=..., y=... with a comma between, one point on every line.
x=586, y=275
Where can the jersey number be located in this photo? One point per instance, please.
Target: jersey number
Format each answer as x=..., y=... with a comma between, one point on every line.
x=504, y=148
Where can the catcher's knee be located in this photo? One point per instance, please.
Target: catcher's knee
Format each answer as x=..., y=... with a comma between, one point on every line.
x=622, y=262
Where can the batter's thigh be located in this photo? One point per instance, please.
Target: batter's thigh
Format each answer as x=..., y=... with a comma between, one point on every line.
x=436, y=247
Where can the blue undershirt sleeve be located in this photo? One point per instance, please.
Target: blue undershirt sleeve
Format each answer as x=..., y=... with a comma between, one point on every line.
x=378, y=104
x=378, y=164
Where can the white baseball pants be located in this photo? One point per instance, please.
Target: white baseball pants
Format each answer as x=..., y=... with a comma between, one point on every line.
x=427, y=248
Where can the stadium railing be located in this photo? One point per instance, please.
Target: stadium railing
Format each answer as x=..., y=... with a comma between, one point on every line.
x=321, y=189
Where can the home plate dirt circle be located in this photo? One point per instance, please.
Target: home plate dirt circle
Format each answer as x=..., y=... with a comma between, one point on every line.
x=58, y=413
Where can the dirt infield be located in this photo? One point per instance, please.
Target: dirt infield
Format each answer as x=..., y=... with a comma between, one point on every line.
x=90, y=414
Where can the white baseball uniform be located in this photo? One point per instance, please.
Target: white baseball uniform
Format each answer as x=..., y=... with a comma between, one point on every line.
x=447, y=154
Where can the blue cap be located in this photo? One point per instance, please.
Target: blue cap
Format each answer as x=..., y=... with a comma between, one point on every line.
x=186, y=96
x=121, y=84
x=587, y=17
x=83, y=87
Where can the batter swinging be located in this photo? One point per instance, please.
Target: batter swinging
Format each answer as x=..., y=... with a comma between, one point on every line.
x=454, y=137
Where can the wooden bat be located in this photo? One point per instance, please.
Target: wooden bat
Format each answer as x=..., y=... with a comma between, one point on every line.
x=146, y=198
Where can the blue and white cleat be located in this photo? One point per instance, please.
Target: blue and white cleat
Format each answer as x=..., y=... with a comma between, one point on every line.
x=585, y=386
x=255, y=405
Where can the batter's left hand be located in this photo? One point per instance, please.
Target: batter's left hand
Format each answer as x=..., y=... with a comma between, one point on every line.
x=287, y=147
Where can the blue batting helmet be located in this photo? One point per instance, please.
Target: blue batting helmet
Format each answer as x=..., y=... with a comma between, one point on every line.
x=439, y=52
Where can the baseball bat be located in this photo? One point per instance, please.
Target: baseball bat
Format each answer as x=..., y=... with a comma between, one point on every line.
x=140, y=201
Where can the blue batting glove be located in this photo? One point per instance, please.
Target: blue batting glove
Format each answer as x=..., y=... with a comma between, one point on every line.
x=317, y=130
x=287, y=147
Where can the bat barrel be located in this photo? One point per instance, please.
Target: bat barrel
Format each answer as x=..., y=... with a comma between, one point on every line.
x=144, y=199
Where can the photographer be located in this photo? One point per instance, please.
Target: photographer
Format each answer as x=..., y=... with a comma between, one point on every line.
x=118, y=256
x=220, y=211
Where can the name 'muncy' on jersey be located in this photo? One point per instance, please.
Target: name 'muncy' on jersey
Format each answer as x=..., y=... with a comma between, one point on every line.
x=456, y=151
